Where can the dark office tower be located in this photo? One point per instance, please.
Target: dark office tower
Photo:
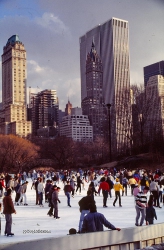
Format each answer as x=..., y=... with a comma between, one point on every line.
x=112, y=45
x=153, y=70
x=44, y=112
x=93, y=104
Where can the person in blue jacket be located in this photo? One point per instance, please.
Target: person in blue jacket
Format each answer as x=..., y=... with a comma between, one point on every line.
x=94, y=221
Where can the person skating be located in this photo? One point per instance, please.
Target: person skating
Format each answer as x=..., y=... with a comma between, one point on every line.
x=150, y=213
x=67, y=190
x=50, y=212
x=117, y=187
x=105, y=190
x=141, y=203
x=84, y=207
x=8, y=210
x=55, y=201
x=40, y=189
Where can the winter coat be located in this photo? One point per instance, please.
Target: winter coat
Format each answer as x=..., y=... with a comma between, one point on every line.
x=68, y=188
x=55, y=197
x=8, y=206
x=117, y=186
x=104, y=186
x=154, y=186
x=40, y=187
x=73, y=183
x=150, y=214
x=132, y=181
x=93, y=222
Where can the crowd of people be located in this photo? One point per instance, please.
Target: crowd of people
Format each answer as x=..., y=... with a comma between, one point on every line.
x=47, y=185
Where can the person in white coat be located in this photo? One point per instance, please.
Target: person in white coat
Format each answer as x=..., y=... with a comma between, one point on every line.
x=40, y=192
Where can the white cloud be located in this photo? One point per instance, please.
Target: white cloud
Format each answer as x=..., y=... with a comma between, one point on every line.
x=34, y=66
x=53, y=23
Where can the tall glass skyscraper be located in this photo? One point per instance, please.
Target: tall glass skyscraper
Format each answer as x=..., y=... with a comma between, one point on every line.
x=112, y=45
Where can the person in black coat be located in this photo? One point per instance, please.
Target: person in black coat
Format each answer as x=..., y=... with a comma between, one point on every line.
x=84, y=207
x=150, y=213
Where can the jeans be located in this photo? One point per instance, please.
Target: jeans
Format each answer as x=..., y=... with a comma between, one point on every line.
x=83, y=213
x=8, y=218
x=40, y=195
x=139, y=211
x=68, y=198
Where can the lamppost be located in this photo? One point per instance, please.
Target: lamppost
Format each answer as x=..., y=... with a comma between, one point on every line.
x=109, y=124
x=140, y=119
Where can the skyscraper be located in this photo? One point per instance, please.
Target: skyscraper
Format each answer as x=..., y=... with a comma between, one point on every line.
x=112, y=45
x=152, y=70
x=155, y=115
x=93, y=104
x=14, y=75
x=44, y=110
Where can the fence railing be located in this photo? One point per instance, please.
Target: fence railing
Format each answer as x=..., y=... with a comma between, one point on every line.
x=126, y=239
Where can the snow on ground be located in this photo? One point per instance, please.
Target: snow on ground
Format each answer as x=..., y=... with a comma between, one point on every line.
x=34, y=217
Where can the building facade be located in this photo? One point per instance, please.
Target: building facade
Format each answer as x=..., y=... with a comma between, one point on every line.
x=13, y=116
x=44, y=112
x=76, y=126
x=112, y=45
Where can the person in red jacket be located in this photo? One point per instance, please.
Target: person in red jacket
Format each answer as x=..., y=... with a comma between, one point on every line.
x=105, y=190
x=8, y=210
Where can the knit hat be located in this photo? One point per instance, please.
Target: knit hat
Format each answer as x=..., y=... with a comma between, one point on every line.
x=72, y=231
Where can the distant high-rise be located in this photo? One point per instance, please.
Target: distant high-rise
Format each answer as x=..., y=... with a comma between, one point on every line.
x=112, y=45
x=44, y=110
x=14, y=75
x=93, y=104
x=152, y=70
x=68, y=108
x=76, y=126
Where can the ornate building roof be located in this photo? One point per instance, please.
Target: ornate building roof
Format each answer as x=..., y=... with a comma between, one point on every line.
x=13, y=39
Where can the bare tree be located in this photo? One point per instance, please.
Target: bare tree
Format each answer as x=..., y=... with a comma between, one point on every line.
x=142, y=105
x=16, y=153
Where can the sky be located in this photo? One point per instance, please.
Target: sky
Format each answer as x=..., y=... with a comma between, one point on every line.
x=50, y=32
x=33, y=217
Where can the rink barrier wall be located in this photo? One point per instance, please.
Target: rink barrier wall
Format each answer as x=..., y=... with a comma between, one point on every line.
x=126, y=239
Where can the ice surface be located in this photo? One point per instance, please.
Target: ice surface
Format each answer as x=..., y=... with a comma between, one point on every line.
x=34, y=217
